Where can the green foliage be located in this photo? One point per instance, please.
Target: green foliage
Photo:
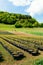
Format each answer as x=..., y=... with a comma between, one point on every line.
x=22, y=20
x=18, y=25
x=39, y=62
x=36, y=24
x=28, y=24
x=41, y=25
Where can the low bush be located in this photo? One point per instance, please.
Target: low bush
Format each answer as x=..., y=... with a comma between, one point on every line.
x=39, y=62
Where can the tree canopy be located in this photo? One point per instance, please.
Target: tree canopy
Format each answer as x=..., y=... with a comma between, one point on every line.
x=19, y=20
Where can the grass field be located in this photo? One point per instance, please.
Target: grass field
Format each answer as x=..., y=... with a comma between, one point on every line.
x=31, y=46
x=35, y=31
x=6, y=27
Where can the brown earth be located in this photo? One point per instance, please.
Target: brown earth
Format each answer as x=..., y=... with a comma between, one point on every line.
x=25, y=34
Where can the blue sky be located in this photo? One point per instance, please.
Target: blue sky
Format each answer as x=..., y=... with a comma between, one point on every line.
x=30, y=7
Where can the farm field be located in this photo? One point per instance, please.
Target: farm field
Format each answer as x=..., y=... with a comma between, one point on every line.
x=11, y=28
x=20, y=50
x=21, y=32
x=35, y=31
x=20, y=46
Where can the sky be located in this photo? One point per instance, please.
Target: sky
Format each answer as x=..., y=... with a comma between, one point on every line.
x=28, y=7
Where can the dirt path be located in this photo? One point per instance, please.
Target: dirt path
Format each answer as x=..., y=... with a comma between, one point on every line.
x=25, y=34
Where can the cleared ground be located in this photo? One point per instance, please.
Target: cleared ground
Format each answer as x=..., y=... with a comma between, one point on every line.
x=29, y=59
x=9, y=36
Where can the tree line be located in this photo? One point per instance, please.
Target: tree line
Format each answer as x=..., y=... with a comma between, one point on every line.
x=19, y=20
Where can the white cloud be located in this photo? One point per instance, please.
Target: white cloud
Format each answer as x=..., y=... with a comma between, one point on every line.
x=36, y=7
x=20, y=2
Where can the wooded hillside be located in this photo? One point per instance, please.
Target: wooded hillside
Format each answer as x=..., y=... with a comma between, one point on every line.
x=19, y=20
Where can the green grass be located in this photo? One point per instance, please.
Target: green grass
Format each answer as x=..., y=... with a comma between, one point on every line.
x=38, y=62
x=6, y=27
x=35, y=31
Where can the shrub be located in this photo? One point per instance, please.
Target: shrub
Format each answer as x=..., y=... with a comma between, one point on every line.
x=41, y=25
x=39, y=62
x=18, y=25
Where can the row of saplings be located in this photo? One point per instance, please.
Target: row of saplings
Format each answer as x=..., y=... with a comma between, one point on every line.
x=31, y=51
x=17, y=55
x=1, y=57
x=35, y=53
x=38, y=46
